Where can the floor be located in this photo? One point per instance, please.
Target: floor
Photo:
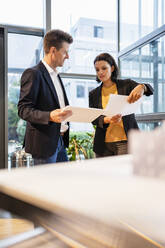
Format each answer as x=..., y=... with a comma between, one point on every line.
x=11, y=225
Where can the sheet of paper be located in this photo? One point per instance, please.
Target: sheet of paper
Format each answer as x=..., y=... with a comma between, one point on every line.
x=118, y=104
x=83, y=114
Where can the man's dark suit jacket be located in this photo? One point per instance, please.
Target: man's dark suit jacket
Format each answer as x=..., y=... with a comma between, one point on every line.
x=124, y=87
x=38, y=98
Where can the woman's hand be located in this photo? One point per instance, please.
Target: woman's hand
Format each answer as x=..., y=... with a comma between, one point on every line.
x=136, y=93
x=113, y=119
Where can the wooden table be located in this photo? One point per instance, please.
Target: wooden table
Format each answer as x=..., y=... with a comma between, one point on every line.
x=12, y=226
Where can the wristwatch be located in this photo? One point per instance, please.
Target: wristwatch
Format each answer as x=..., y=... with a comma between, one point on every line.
x=144, y=87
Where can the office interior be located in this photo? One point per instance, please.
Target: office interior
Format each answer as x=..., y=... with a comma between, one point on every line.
x=132, y=31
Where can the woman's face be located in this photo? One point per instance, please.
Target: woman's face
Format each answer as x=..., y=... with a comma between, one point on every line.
x=103, y=70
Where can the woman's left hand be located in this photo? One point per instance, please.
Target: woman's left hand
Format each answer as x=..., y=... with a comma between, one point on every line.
x=113, y=119
x=136, y=93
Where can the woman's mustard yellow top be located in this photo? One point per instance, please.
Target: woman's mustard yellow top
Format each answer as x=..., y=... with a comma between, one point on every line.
x=115, y=131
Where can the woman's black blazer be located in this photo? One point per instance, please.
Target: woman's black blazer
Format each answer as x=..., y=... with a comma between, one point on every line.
x=124, y=87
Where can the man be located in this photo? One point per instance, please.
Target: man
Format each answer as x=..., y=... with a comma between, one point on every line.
x=42, y=97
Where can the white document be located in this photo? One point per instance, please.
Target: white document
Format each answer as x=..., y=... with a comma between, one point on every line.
x=83, y=114
x=117, y=105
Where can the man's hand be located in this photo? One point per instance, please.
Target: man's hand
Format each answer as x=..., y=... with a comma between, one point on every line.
x=59, y=115
x=136, y=93
x=113, y=119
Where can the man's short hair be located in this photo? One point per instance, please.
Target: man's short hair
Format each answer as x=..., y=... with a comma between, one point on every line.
x=55, y=38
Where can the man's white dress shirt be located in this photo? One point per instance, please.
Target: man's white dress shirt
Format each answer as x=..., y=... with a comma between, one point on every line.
x=57, y=85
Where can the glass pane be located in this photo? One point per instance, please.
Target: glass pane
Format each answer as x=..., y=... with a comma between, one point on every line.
x=128, y=22
x=147, y=65
x=94, y=32
x=144, y=17
x=22, y=13
x=23, y=51
x=161, y=11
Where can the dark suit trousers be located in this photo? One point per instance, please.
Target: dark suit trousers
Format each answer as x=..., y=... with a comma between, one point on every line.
x=59, y=156
x=114, y=148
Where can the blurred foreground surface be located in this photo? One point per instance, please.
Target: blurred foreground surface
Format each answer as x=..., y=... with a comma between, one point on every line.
x=94, y=203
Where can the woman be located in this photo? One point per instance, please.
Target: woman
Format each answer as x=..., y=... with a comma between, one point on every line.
x=111, y=132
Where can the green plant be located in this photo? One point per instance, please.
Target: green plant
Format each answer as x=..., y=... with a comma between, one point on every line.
x=80, y=146
x=13, y=119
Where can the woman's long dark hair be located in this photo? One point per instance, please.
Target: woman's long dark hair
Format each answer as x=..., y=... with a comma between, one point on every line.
x=110, y=60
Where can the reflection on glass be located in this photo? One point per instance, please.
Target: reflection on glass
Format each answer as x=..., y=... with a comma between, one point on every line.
x=146, y=65
x=23, y=51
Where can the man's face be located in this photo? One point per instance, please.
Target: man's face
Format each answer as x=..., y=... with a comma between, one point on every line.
x=60, y=55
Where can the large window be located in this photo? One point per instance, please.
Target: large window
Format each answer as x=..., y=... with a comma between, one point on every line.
x=23, y=51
